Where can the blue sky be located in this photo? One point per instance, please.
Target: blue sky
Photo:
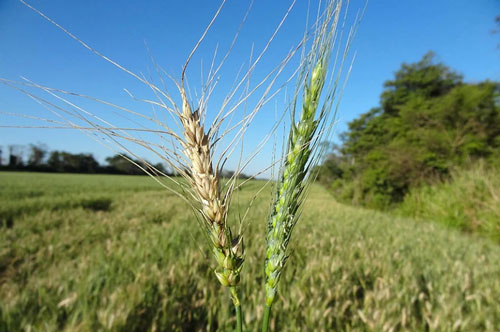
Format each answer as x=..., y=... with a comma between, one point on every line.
x=391, y=32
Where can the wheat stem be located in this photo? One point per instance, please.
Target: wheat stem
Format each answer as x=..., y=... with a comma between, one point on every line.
x=237, y=308
x=265, y=321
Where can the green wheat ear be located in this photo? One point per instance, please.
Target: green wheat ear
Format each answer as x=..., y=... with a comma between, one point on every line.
x=301, y=151
x=288, y=198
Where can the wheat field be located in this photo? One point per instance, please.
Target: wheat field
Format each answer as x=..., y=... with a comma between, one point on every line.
x=120, y=253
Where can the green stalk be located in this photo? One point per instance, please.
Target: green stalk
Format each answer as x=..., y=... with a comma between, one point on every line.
x=237, y=308
x=238, y=319
x=265, y=321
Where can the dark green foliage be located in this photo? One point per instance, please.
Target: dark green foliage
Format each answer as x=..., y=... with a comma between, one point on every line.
x=66, y=162
x=329, y=169
x=429, y=121
x=72, y=163
x=122, y=165
x=37, y=155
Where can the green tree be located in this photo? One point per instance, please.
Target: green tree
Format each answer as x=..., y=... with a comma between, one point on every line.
x=37, y=155
x=428, y=121
x=60, y=161
x=121, y=164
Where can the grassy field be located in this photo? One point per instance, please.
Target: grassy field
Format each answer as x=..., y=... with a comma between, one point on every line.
x=121, y=253
x=468, y=201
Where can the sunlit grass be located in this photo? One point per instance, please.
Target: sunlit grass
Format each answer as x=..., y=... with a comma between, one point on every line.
x=468, y=201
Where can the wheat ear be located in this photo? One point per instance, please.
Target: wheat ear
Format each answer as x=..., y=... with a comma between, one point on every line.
x=301, y=152
x=288, y=198
x=228, y=250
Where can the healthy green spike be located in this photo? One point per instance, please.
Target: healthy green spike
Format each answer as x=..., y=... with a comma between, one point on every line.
x=301, y=153
x=287, y=202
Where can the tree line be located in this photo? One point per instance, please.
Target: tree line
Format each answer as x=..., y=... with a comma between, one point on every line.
x=429, y=122
x=37, y=158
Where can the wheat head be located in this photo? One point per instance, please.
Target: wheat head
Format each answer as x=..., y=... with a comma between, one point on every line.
x=302, y=150
x=228, y=251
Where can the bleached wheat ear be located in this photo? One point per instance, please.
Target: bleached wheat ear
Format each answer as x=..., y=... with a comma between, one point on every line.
x=302, y=149
x=205, y=181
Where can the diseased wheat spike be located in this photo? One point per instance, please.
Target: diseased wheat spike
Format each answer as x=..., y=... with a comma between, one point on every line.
x=228, y=251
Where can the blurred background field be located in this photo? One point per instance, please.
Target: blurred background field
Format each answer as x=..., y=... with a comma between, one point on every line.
x=121, y=253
